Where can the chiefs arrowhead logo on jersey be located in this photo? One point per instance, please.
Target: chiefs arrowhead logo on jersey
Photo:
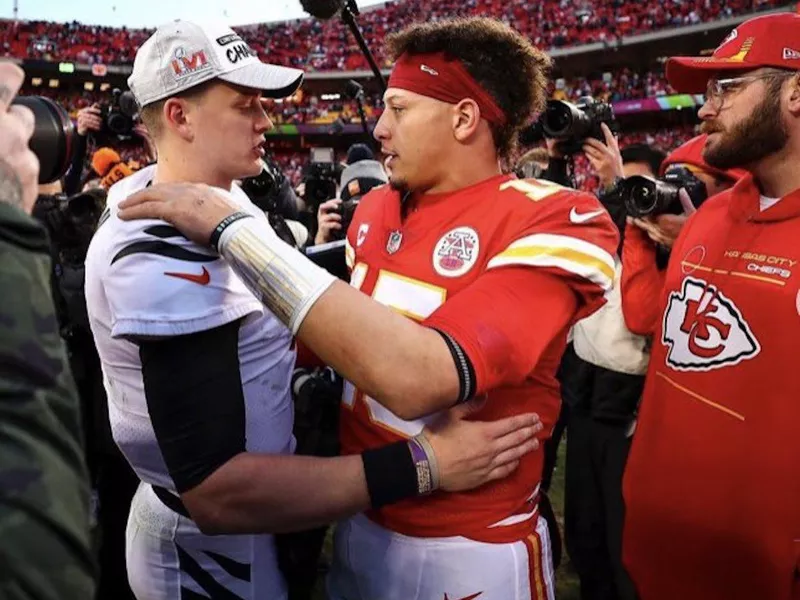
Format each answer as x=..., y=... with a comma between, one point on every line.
x=456, y=252
x=705, y=330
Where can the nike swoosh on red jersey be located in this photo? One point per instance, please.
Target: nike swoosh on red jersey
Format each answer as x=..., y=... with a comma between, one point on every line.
x=203, y=278
x=465, y=597
x=578, y=218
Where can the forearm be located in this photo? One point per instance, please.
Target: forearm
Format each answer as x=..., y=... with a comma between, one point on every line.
x=403, y=365
x=406, y=367
x=641, y=283
x=257, y=493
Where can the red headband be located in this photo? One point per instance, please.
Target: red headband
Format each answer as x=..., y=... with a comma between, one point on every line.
x=435, y=76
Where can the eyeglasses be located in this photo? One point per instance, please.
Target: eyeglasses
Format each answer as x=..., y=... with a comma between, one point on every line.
x=717, y=89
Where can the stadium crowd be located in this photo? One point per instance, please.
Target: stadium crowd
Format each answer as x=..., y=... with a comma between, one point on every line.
x=326, y=46
x=306, y=108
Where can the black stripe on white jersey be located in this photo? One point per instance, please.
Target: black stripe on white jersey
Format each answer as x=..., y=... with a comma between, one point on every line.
x=203, y=578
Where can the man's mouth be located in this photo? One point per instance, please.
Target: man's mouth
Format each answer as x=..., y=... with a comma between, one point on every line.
x=708, y=128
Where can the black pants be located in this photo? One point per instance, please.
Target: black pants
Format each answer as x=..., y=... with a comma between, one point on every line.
x=116, y=484
x=594, y=509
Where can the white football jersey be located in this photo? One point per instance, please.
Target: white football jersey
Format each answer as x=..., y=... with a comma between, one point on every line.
x=144, y=279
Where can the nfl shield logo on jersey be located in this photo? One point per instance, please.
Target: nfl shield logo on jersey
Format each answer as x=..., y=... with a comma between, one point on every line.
x=705, y=330
x=456, y=252
x=393, y=244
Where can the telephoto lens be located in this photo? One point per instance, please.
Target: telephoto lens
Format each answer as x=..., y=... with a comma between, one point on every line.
x=564, y=120
x=53, y=140
x=645, y=196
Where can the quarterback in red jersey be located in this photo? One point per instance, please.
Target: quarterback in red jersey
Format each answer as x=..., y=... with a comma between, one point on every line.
x=711, y=486
x=465, y=282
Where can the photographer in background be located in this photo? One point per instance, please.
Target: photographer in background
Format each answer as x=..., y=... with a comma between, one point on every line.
x=104, y=122
x=612, y=166
x=604, y=383
x=649, y=239
x=45, y=549
x=320, y=183
x=361, y=174
x=271, y=191
x=566, y=128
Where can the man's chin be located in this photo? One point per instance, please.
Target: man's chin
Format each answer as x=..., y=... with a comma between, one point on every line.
x=251, y=170
x=398, y=184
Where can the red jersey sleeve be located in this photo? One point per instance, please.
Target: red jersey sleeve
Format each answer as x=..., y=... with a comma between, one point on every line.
x=551, y=268
x=641, y=283
x=569, y=235
x=505, y=321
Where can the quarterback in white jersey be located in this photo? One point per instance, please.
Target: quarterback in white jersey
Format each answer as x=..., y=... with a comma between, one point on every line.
x=145, y=280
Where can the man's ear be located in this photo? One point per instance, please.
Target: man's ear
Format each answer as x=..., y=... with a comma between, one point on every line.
x=177, y=118
x=794, y=95
x=466, y=119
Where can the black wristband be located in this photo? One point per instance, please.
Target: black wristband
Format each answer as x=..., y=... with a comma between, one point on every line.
x=391, y=474
x=223, y=225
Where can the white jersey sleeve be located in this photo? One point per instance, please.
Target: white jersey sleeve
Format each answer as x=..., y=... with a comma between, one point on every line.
x=156, y=282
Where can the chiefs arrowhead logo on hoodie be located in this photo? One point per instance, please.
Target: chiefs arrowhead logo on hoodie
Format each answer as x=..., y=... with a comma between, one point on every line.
x=705, y=330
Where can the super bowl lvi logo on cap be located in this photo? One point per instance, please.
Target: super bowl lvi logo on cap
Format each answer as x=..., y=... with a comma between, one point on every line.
x=456, y=252
x=187, y=64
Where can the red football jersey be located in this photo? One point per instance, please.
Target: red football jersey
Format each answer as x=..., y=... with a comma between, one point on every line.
x=494, y=266
x=712, y=485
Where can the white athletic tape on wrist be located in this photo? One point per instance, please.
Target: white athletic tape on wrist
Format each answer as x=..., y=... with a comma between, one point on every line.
x=284, y=280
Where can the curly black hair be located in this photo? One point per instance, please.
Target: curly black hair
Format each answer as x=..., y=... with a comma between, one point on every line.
x=502, y=61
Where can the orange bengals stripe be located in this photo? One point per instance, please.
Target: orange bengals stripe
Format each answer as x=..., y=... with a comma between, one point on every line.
x=538, y=585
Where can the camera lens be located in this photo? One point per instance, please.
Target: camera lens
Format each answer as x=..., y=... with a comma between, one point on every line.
x=53, y=136
x=557, y=119
x=639, y=195
x=645, y=197
x=127, y=105
x=119, y=124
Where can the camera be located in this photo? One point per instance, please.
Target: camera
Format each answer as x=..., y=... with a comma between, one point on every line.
x=53, y=139
x=119, y=116
x=317, y=395
x=645, y=197
x=320, y=177
x=571, y=124
x=346, y=210
x=264, y=190
x=70, y=222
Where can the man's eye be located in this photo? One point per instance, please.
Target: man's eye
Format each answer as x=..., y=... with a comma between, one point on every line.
x=397, y=109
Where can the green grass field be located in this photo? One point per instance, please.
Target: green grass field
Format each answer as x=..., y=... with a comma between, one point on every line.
x=567, y=587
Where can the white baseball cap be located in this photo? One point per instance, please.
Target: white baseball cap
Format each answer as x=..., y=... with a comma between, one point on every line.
x=181, y=55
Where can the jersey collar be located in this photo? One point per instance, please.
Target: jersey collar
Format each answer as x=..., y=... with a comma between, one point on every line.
x=745, y=204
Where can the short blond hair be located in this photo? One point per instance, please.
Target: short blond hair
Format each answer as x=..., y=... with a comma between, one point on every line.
x=151, y=113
